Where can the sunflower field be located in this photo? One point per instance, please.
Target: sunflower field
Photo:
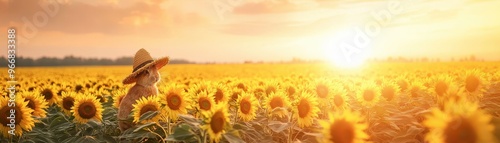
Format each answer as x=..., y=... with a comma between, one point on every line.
x=265, y=103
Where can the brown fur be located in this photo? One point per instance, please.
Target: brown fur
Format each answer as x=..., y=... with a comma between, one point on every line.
x=145, y=86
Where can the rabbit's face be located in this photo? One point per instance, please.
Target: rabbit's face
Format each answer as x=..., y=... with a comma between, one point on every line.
x=149, y=77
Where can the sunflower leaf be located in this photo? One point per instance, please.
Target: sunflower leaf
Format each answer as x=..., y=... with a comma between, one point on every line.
x=181, y=133
x=232, y=138
x=144, y=126
x=278, y=109
x=148, y=115
x=69, y=140
x=240, y=126
x=93, y=124
x=189, y=119
x=86, y=139
x=277, y=126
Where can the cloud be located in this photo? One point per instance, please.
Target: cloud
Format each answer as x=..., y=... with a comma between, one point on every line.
x=274, y=6
x=284, y=27
x=75, y=17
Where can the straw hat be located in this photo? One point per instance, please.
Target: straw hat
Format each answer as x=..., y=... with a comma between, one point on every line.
x=143, y=61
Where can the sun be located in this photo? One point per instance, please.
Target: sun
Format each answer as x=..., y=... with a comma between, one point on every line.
x=344, y=50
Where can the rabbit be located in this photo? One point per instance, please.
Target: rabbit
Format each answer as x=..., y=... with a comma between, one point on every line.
x=144, y=86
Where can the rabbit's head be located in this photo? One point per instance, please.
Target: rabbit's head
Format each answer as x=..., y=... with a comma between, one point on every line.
x=148, y=77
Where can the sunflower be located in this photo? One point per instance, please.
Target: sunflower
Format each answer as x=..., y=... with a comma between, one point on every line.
x=61, y=90
x=291, y=90
x=416, y=88
x=235, y=92
x=344, y=127
x=202, y=86
x=145, y=104
x=322, y=89
x=389, y=90
x=35, y=102
x=216, y=121
x=176, y=101
x=204, y=102
x=101, y=95
x=369, y=94
x=67, y=101
x=275, y=100
x=87, y=107
x=221, y=93
x=403, y=83
x=271, y=87
x=247, y=106
x=258, y=91
x=339, y=95
x=454, y=93
x=240, y=85
x=441, y=85
x=306, y=109
x=49, y=94
x=22, y=116
x=475, y=84
x=117, y=97
x=459, y=122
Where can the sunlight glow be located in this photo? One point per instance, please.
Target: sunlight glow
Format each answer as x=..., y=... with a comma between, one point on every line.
x=339, y=50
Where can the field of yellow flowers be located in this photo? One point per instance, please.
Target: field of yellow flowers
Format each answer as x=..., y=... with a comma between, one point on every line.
x=284, y=103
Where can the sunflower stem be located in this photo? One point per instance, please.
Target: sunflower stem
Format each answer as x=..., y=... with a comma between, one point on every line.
x=236, y=115
x=168, y=127
x=290, y=128
x=163, y=129
x=156, y=134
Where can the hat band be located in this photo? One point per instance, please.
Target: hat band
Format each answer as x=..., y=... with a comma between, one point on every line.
x=141, y=65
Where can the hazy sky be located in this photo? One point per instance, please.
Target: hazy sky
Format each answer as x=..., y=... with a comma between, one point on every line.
x=238, y=30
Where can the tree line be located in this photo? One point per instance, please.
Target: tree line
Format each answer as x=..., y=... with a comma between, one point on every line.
x=77, y=61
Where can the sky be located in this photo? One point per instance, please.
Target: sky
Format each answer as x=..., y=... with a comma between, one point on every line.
x=256, y=30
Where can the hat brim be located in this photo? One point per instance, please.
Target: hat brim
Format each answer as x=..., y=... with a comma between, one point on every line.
x=158, y=63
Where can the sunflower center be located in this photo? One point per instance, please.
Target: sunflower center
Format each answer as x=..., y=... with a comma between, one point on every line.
x=101, y=98
x=414, y=91
x=47, y=93
x=276, y=102
x=369, y=95
x=322, y=91
x=217, y=122
x=245, y=106
x=5, y=112
x=270, y=90
x=78, y=88
x=147, y=108
x=234, y=96
x=241, y=86
x=31, y=103
x=174, y=101
x=388, y=93
x=338, y=100
x=60, y=92
x=290, y=90
x=219, y=95
x=472, y=83
x=304, y=108
x=87, y=110
x=460, y=131
x=441, y=88
x=204, y=104
x=341, y=132
x=68, y=102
